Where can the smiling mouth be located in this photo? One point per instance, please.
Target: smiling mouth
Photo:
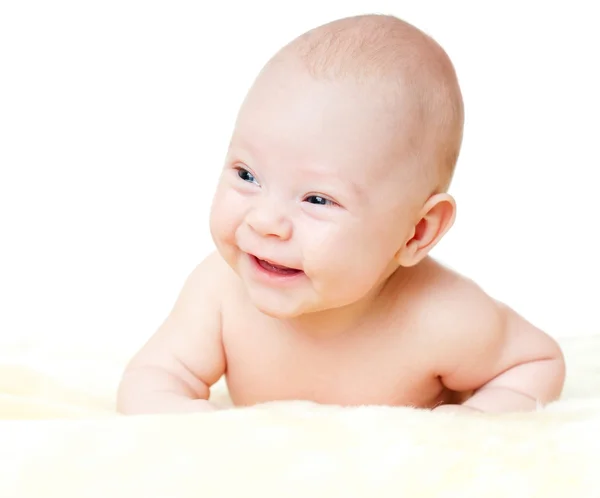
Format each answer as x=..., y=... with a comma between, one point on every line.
x=275, y=268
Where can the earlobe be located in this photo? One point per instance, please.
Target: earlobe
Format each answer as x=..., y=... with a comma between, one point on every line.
x=436, y=218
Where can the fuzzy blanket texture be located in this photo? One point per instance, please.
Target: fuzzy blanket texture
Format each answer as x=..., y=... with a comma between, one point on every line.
x=60, y=437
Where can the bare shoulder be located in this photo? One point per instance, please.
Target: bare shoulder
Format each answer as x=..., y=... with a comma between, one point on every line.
x=206, y=285
x=475, y=337
x=453, y=301
x=447, y=307
x=188, y=344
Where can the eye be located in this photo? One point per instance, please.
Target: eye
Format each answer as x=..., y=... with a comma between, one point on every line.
x=245, y=175
x=319, y=200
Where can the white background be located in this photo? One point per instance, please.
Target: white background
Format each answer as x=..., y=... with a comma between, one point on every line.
x=114, y=118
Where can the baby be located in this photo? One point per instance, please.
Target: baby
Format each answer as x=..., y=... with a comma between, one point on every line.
x=333, y=193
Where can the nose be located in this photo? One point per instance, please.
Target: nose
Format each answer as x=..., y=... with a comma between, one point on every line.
x=267, y=220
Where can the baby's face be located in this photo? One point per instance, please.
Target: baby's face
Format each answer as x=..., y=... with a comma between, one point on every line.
x=310, y=209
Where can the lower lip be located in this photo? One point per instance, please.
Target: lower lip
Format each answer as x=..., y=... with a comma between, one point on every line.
x=273, y=275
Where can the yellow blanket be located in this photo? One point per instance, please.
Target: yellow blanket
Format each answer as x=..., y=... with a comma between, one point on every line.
x=59, y=437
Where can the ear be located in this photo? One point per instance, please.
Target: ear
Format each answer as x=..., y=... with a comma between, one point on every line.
x=435, y=219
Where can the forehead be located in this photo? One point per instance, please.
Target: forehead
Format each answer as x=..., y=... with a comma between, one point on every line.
x=293, y=101
x=323, y=127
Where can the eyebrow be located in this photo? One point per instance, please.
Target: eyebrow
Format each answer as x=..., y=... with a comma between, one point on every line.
x=335, y=182
x=241, y=146
x=358, y=189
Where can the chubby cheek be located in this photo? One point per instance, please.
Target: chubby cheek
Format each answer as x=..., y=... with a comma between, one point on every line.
x=346, y=262
x=225, y=218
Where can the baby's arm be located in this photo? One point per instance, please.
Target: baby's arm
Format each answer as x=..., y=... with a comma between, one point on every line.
x=173, y=372
x=509, y=364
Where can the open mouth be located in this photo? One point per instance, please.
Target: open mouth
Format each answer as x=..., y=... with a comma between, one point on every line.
x=276, y=269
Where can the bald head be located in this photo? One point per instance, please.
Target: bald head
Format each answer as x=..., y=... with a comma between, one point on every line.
x=403, y=65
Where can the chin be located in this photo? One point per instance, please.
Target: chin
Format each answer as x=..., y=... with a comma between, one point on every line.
x=287, y=311
x=279, y=312
x=276, y=307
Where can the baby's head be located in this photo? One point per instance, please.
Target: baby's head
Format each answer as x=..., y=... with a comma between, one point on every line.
x=339, y=164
